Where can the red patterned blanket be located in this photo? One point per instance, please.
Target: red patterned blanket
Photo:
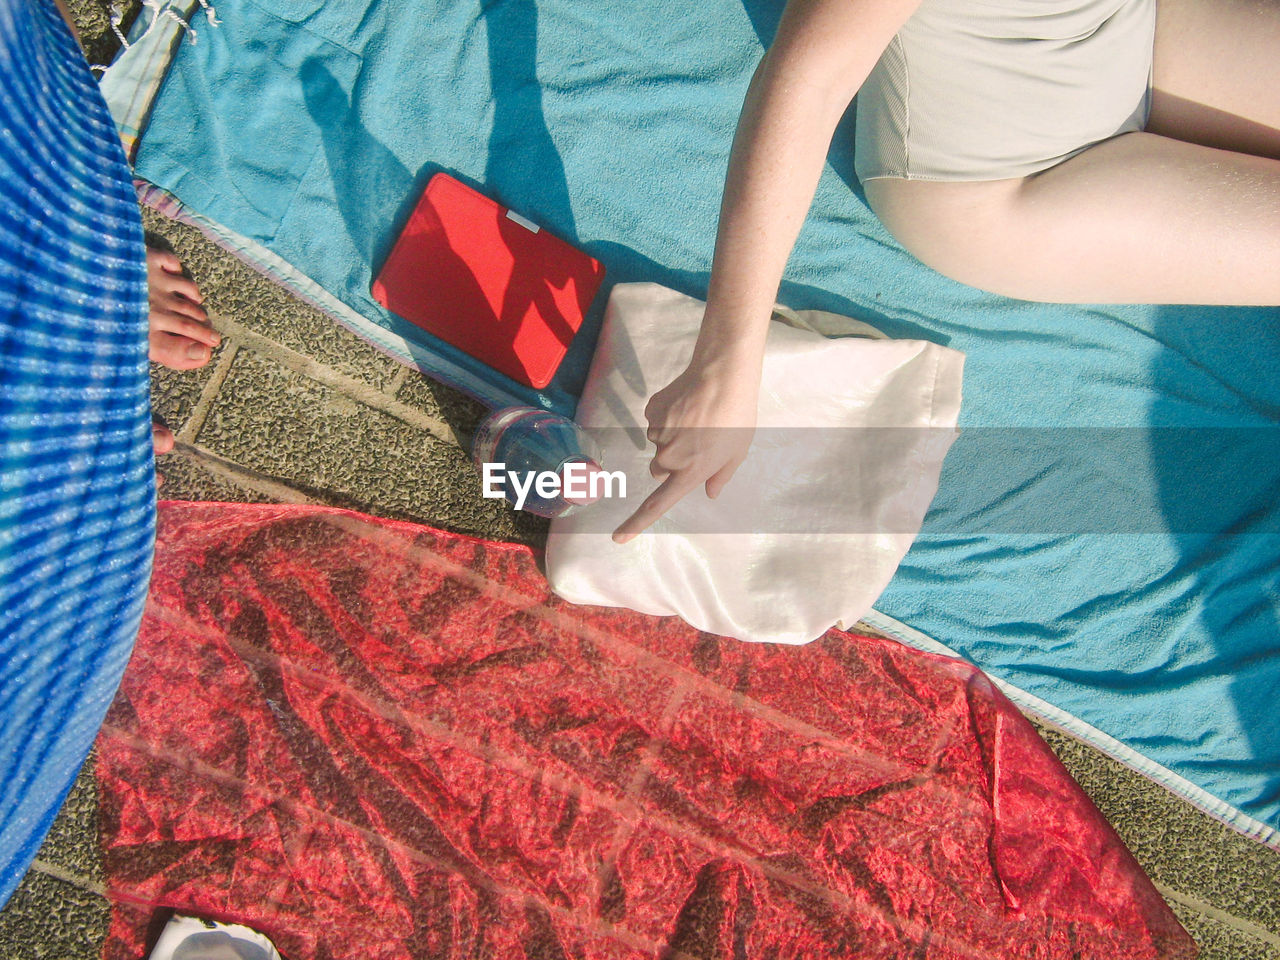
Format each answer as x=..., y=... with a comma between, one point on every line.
x=375, y=740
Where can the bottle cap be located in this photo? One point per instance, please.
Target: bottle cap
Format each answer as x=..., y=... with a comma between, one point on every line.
x=578, y=485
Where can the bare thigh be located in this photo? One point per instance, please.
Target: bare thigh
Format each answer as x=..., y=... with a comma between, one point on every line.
x=1138, y=219
x=1217, y=74
x=1187, y=212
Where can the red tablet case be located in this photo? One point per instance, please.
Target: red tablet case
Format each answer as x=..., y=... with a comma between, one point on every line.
x=488, y=282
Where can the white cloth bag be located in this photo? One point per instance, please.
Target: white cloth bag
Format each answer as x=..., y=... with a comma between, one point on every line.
x=850, y=440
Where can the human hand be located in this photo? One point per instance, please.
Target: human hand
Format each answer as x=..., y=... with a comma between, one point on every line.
x=180, y=334
x=701, y=424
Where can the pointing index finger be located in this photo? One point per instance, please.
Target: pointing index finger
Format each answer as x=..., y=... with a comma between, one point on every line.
x=671, y=492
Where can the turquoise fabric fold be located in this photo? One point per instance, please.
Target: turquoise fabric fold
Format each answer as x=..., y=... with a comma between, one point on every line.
x=1105, y=537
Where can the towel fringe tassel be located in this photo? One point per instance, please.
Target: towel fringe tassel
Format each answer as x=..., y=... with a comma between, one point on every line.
x=159, y=8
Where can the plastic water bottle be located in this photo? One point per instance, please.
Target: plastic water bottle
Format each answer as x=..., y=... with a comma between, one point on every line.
x=515, y=446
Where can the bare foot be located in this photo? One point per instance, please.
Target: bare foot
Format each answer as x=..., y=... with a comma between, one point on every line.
x=162, y=438
x=181, y=336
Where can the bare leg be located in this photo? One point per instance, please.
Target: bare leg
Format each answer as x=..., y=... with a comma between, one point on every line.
x=1138, y=219
x=1217, y=74
x=1156, y=217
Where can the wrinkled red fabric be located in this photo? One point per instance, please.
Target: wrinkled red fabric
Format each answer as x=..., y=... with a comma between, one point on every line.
x=370, y=739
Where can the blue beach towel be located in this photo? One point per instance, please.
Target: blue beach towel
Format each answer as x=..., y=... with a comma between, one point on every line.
x=1105, y=538
x=77, y=490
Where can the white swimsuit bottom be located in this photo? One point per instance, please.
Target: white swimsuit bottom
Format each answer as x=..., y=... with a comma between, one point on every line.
x=993, y=89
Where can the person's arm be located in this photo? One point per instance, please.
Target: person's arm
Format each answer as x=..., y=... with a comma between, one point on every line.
x=702, y=422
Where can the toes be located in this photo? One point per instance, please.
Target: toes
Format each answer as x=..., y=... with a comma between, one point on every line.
x=180, y=325
x=169, y=286
x=178, y=352
x=163, y=260
x=165, y=276
x=182, y=286
x=162, y=438
x=198, y=353
x=179, y=304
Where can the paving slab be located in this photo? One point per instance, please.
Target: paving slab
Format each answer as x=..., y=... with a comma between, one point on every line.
x=333, y=448
x=1197, y=861
x=240, y=291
